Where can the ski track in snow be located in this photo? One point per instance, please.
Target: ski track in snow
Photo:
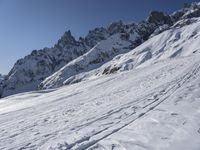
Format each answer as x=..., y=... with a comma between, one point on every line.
x=73, y=117
x=158, y=97
x=147, y=98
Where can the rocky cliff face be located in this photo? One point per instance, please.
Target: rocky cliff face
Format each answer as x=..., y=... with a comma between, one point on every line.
x=1, y=77
x=122, y=38
x=49, y=65
x=28, y=72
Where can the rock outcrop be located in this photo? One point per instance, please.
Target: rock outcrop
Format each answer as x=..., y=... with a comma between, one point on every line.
x=69, y=57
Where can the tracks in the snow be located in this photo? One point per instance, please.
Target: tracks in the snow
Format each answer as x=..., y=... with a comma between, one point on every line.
x=128, y=113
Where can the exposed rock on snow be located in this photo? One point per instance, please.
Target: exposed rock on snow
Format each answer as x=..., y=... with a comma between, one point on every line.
x=1, y=77
x=159, y=18
x=190, y=11
x=64, y=61
x=101, y=53
x=30, y=71
x=1, y=84
x=153, y=106
x=173, y=43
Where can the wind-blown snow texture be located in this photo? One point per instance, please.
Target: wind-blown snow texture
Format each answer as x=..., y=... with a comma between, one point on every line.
x=138, y=90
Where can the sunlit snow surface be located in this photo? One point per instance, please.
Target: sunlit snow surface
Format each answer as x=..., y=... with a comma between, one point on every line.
x=152, y=102
x=150, y=108
x=179, y=41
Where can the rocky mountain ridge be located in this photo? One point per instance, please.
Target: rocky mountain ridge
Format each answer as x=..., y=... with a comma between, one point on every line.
x=70, y=57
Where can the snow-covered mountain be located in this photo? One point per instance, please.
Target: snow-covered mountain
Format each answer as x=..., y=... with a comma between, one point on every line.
x=154, y=107
x=1, y=84
x=140, y=89
x=72, y=60
x=172, y=39
x=178, y=41
x=1, y=77
x=28, y=72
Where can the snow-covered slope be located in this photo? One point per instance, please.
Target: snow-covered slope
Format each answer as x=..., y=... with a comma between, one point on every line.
x=178, y=41
x=101, y=53
x=175, y=42
x=174, y=35
x=142, y=98
x=62, y=64
x=30, y=71
x=155, y=107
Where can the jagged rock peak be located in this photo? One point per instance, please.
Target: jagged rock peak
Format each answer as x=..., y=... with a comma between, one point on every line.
x=95, y=35
x=116, y=27
x=66, y=39
x=189, y=11
x=33, y=69
x=159, y=18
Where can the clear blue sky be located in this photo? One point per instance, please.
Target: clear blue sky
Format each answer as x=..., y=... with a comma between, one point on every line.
x=26, y=25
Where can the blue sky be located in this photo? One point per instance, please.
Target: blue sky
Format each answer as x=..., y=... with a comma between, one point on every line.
x=26, y=25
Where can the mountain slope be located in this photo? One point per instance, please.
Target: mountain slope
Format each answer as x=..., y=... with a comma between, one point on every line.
x=154, y=107
x=178, y=41
x=98, y=55
x=30, y=71
x=139, y=98
x=172, y=33
x=39, y=69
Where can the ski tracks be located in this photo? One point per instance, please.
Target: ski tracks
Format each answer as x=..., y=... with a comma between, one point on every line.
x=128, y=113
